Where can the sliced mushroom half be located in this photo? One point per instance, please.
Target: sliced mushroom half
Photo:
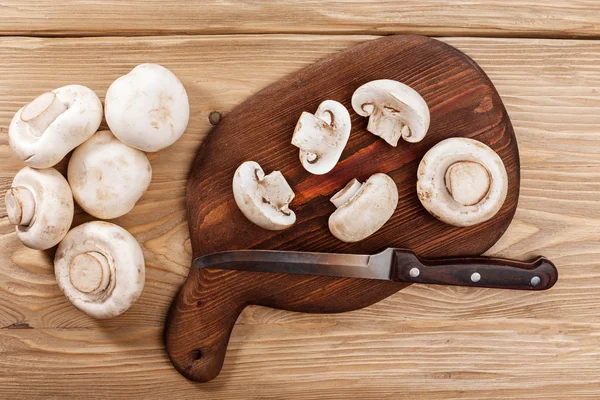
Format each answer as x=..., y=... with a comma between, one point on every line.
x=263, y=199
x=462, y=182
x=322, y=137
x=394, y=109
x=39, y=204
x=45, y=130
x=363, y=208
x=100, y=268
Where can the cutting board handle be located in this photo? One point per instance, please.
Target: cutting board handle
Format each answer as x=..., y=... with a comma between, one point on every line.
x=206, y=308
x=198, y=328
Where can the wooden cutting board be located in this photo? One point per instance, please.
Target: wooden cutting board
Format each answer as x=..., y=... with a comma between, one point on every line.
x=462, y=102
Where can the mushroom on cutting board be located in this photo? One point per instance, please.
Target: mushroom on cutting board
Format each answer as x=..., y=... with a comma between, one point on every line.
x=363, y=208
x=148, y=108
x=322, y=137
x=45, y=130
x=263, y=199
x=108, y=177
x=394, y=109
x=39, y=204
x=100, y=268
x=462, y=182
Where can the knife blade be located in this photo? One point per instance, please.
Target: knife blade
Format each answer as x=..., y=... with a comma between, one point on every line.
x=399, y=265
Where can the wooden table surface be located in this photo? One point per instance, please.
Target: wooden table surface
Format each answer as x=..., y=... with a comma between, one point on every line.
x=425, y=342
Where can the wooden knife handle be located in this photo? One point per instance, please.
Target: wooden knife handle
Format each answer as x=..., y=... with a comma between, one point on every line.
x=488, y=272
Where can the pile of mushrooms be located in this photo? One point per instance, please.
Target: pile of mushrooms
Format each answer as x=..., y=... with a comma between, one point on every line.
x=98, y=265
x=461, y=182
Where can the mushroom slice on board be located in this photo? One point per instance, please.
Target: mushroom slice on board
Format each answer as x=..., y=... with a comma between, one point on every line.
x=462, y=182
x=39, y=204
x=263, y=199
x=100, y=268
x=108, y=177
x=394, y=109
x=45, y=130
x=363, y=208
x=148, y=108
x=322, y=137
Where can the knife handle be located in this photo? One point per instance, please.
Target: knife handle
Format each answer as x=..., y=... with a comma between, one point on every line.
x=487, y=272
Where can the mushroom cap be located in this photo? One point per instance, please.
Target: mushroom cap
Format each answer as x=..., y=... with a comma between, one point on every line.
x=40, y=205
x=452, y=186
x=148, y=108
x=364, y=208
x=264, y=200
x=391, y=107
x=322, y=137
x=108, y=177
x=71, y=113
x=100, y=268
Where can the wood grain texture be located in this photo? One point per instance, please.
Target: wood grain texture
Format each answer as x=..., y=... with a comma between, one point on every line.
x=462, y=102
x=519, y=18
x=426, y=342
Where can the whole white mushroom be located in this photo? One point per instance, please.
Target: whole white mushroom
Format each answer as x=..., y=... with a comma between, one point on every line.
x=100, y=268
x=462, y=182
x=40, y=206
x=148, y=108
x=108, y=177
x=45, y=130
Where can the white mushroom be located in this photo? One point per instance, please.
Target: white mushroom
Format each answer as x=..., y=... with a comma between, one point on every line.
x=45, y=130
x=148, y=108
x=40, y=206
x=394, y=109
x=108, y=177
x=100, y=268
x=322, y=137
x=263, y=199
x=363, y=208
x=462, y=182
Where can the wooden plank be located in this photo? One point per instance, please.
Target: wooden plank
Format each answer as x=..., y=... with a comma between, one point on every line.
x=427, y=359
x=450, y=342
x=519, y=18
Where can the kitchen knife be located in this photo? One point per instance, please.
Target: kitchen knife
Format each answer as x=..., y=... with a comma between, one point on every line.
x=399, y=265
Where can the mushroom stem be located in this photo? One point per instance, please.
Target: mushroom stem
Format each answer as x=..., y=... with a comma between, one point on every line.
x=89, y=272
x=42, y=111
x=20, y=206
x=308, y=134
x=389, y=127
x=346, y=194
x=467, y=182
x=279, y=192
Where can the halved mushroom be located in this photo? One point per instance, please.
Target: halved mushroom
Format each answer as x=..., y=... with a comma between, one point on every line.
x=322, y=137
x=108, y=177
x=462, y=182
x=100, y=268
x=45, y=130
x=148, y=108
x=40, y=206
x=394, y=109
x=263, y=199
x=363, y=208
